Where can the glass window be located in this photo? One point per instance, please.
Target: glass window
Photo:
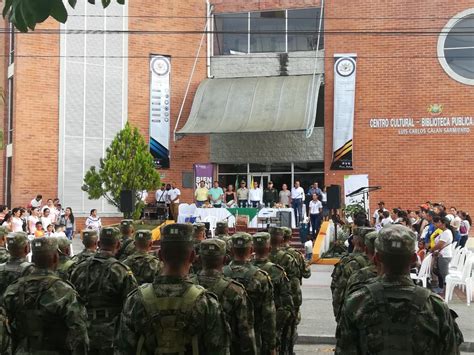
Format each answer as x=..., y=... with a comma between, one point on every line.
x=259, y=168
x=267, y=31
x=233, y=168
x=231, y=34
x=306, y=167
x=10, y=111
x=303, y=27
x=456, y=47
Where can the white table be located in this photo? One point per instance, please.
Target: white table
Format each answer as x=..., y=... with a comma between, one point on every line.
x=272, y=213
x=221, y=214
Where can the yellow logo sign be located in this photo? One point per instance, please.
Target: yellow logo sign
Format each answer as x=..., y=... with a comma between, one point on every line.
x=435, y=109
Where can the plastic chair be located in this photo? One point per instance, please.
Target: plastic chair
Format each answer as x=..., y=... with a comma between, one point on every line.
x=463, y=279
x=212, y=220
x=424, y=272
x=464, y=253
x=183, y=212
x=455, y=260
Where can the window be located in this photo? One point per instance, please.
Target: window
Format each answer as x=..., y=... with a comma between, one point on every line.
x=10, y=110
x=456, y=47
x=303, y=29
x=267, y=31
x=231, y=34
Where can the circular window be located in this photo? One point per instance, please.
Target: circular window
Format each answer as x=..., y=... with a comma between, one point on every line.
x=456, y=47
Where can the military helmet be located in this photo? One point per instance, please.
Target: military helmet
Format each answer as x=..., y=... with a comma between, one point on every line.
x=261, y=239
x=396, y=239
x=143, y=235
x=241, y=240
x=17, y=240
x=109, y=234
x=213, y=247
x=177, y=232
x=44, y=245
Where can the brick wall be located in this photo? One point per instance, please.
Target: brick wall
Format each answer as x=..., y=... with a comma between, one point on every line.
x=4, y=49
x=411, y=169
x=259, y=5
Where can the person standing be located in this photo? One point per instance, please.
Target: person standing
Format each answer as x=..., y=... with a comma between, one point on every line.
x=391, y=315
x=90, y=240
x=173, y=195
x=33, y=218
x=17, y=222
x=103, y=283
x=37, y=201
x=67, y=220
x=376, y=217
x=127, y=247
x=45, y=218
x=324, y=201
x=465, y=227
x=285, y=196
x=4, y=254
x=201, y=195
x=230, y=196
x=65, y=261
x=172, y=314
x=216, y=195
x=93, y=221
x=44, y=312
x=270, y=195
x=255, y=195
x=315, y=209
x=53, y=213
x=443, y=251
x=297, y=199
x=242, y=194
x=160, y=195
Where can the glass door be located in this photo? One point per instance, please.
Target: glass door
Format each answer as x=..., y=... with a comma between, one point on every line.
x=262, y=180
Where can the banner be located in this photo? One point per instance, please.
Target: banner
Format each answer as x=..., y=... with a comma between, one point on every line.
x=352, y=183
x=203, y=172
x=160, y=115
x=344, y=100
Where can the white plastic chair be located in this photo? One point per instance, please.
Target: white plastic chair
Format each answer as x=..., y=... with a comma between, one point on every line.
x=183, y=212
x=212, y=220
x=463, y=279
x=424, y=272
x=455, y=260
x=455, y=266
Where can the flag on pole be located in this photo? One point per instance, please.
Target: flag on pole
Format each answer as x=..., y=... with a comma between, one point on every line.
x=251, y=182
x=236, y=182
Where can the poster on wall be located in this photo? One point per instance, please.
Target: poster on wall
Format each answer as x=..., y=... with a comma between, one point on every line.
x=344, y=101
x=203, y=172
x=353, y=183
x=160, y=98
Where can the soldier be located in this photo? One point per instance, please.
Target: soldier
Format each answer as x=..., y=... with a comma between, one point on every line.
x=127, y=247
x=199, y=234
x=143, y=265
x=222, y=232
x=281, y=286
x=103, y=283
x=260, y=290
x=4, y=255
x=17, y=266
x=172, y=315
x=65, y=261
x=283, y=257
x=346, y=266
x=44, y=312
x=305, y=269
x=392, y=315
x=232, y=297
x=89, y=240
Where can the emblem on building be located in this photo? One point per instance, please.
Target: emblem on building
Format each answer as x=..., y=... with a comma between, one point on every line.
x=435, y=109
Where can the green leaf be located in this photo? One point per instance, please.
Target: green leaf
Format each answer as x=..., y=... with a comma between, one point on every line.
x=58, y=11
x=121, y=2
x=41, y=9
x=6, y=8
x=72, y=3
x=106, y=3
x=91, y=2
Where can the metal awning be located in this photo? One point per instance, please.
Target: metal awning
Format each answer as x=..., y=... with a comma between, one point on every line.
x=262, y=104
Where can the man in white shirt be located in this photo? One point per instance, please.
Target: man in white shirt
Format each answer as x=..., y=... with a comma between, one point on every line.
x=174, y=195
x=315, y=210
x=376, y=217
x=160, y=195
x=297, y=198
x=36, y=202
x=255, y=195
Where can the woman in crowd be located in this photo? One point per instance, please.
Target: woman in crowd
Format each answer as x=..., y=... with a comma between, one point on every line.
x=67, y=220
x=7, y=222
x=39, y=231
x=49, y=231
x=3, y=212
x=442, y=250
x=46, y=218
x=93, y=221
x=33, y=219
x=285, y=196
x=465, y=227
x=16, y=221
x=324, y=201
x=230, y=196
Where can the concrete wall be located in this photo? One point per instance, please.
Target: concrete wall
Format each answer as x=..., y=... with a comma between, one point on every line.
x=267, y=147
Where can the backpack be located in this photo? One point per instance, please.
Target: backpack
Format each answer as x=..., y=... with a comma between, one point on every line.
x=121, y=253
x=463, y=228
x=10, y=272
x=168, y=317
x=242, y=278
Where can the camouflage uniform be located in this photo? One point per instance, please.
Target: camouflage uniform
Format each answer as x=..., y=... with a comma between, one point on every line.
x=260, y=290
x=143, y=265
x=127, y=247
x=86, y=253
x=198, y=228
x=103, y=283
x=172, y=314
x=4, y=254
x=393, y=316
x=305, y=269
x=285, y=310
x=44, y=313
x=222, y=233
x=233, y=298
x=65, y=261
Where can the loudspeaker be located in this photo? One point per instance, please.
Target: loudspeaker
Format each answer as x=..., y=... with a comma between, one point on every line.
x=334, y=197
x=127, y=201
x=285, y=218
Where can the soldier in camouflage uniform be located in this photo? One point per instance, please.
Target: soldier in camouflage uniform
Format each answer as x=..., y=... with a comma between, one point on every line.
x=65, y=261
x=391, y=315
x=173, y=315
x=90, y=239
x=222, y=232
x=199, y=234
x=305, y=268
x=346, y=266
x=281, y=287
x=103, y=283
x=17, y=266
x=260, y=290
x=44, y=312
x=143, y=265
x=127, y=247
x=4, y=255
x=232, y=296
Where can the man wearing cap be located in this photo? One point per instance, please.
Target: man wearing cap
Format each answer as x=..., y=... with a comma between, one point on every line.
x=17, y=266
x=173, y=315
x=199, y=234
x=44, y=313
x=282, y=257
x=243, y=194
x=393, y=316
x=127, y=247
x=232, y=296
x=259, y=288
x=222, y=232
x=346, y=266
x=143, y=265
x=304, y=267
x=90, y=240
x=281, y=287
x=270, y=195
x=65, y=261
x=4, y=255
x=103, y=283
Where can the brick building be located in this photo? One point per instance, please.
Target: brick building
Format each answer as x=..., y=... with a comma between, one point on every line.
x=70, y=88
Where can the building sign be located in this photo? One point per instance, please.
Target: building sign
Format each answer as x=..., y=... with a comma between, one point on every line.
x=160, y=115
x=203, y=172
x=344, y=101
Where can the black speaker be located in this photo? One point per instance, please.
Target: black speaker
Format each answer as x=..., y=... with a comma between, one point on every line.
x=334, y=197
x=127, y=201
x=285, y=218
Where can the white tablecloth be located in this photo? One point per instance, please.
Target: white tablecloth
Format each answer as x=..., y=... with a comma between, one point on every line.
x=201, y=213
x=272, y=213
